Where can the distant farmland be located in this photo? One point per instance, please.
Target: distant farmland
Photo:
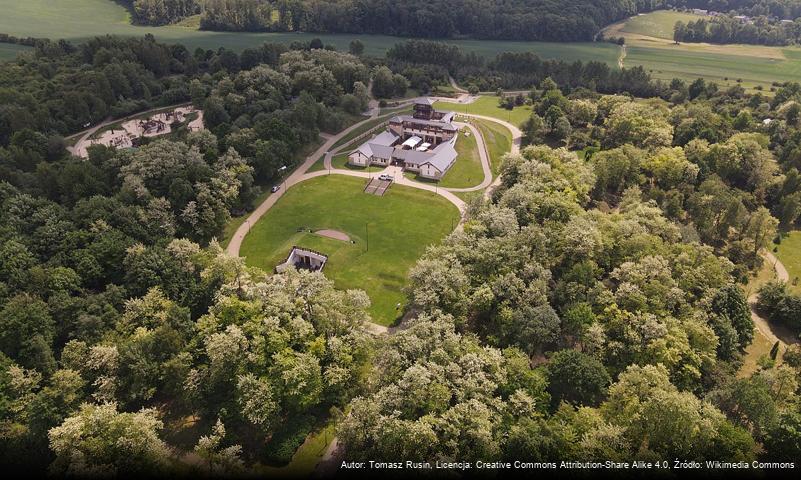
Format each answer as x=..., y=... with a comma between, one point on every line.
x=82, y=19
x=648, y=42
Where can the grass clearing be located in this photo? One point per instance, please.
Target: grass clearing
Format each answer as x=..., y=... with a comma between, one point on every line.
x=789, y=253
x=399, y=226
x=488, y=105
x=466, y=171
x=658, y=24
x=759, y=348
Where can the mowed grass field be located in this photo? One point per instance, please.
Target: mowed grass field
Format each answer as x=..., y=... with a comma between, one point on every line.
x=467, y=171
x=658, y=24
x=498, y=139
x=488, y=105
x=399, y=226
x=789, y=253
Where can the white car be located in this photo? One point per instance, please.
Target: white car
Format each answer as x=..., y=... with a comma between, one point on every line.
x=387, y=178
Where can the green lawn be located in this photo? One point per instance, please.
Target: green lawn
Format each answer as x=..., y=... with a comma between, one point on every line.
x=498, y=140
x=9, y=51
x=488, y=105
x=467, y=171
x=658, y=24
x=401, y=224
x=789, y=253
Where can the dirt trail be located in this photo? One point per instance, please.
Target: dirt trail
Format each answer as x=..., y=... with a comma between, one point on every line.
x=774, y=333
x=622, y=57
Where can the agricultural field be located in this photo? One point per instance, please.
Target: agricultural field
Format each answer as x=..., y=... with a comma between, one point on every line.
x=789, y=253
x=390, y=234
x=649, y=43
x=81, y=19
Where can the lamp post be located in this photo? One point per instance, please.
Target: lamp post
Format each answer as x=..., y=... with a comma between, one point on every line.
x=367, y=234
x=281, y=170
x=329, y=161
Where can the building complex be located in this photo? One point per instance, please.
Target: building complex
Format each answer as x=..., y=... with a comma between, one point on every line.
x=422, y=142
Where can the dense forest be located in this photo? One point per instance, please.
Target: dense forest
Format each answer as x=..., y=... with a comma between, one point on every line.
x=117, y=307
x=591, y=308
x=616, y=276
x=485, y=19
x=769, y=22
x=727, y=29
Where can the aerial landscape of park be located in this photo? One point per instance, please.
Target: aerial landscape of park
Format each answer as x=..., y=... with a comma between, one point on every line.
x=321, y=238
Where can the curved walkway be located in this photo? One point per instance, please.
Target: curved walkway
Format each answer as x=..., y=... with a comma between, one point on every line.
x=85, y=134
x=485, y=161
x=774, y=333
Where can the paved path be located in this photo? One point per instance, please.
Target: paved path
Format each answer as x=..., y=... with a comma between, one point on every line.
x=327, y=149
x=485, y=161
x=85, y=134
x=331, y=451
x=774, y=333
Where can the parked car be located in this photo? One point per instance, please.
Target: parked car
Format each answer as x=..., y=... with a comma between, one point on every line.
x=275, y=188
x=387, y=178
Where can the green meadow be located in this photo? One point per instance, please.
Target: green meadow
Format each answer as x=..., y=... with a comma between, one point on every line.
x=488, y=105
x=657, y=24
x=789, y=253
x=390, y=234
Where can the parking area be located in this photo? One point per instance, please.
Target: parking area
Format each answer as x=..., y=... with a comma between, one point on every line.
x=378, y=186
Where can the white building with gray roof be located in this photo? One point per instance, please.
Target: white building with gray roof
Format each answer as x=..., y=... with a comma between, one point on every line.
x=401, y=144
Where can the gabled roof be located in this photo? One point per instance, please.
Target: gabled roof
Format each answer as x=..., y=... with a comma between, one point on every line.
x=443, y=156
x=440, y=157
x=385, y=138
x=424, y=101
x=374, y=145
x=382, y=151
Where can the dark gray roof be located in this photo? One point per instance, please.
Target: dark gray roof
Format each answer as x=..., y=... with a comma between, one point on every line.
x=385, y=138
x=382, y=151
x=424, y=101
x=445, y=125
x=441, y=157
x=375, y=144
